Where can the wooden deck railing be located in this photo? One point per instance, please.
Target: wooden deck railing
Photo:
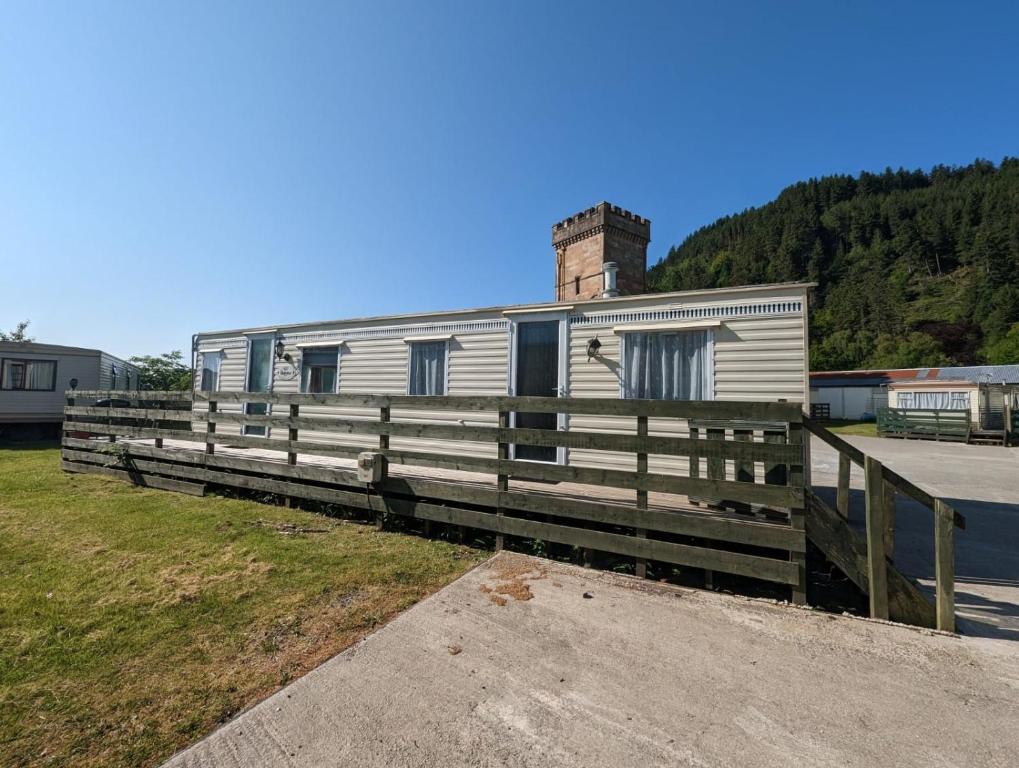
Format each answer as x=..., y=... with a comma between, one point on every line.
x=751, y=523
x=924, y=423
x=881, y=484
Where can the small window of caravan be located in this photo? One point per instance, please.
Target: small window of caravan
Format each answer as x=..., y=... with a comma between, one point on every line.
x=427, y=367
x=934, y=401
x=28, y=375
x=666, y=365
x=318, y=370
x=210, y=371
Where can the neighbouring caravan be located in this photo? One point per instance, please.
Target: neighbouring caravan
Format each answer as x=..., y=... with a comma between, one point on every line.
x=746, y=343
x=34, y=377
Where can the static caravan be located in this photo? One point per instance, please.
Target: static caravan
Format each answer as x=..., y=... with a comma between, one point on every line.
x=986, y=392
x=735, y=344
x=33, y=378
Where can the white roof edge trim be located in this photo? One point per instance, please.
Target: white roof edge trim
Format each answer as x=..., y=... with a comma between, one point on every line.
x=439, y=337
x=538, y=310
x=681, y=326
x=313, y=344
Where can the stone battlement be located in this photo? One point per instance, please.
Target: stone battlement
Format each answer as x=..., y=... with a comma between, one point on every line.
x=601, y=215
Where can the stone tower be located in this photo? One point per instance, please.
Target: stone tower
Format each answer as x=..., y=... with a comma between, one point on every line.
x=604, y=234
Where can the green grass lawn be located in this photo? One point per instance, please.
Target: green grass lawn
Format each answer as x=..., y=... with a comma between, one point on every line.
x=133, y=621
x=863, y=428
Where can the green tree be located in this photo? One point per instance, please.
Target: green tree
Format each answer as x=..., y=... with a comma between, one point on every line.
x=1005, y=351
x=165, y=372
x=18, y=334
x=900, y=259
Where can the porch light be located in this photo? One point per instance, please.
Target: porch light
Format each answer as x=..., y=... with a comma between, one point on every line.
x=73, y=383
x=280, y=349
x=592, y=348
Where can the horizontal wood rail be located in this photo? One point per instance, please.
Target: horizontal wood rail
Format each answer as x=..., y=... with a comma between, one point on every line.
x=597, y=406
x=670, y=446
x=752, y=525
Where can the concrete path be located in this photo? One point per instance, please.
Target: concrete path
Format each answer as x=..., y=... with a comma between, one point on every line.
x=597, y=669
x=981, y=482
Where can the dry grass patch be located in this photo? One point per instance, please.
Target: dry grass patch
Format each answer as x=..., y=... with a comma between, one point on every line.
x=133, y=621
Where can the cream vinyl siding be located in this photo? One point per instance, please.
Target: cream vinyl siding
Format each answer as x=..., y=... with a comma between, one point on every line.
x=760, y=359
x=759, y=353
x=476, y=365
x=232, y=365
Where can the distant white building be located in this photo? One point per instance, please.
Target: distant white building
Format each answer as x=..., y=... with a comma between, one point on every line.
x=34, y=378
x=856, y=395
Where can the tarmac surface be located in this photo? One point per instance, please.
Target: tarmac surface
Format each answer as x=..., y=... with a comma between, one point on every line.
x=526, y=662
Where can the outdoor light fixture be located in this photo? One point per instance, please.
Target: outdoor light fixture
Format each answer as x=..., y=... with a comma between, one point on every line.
x=73, y=383
x=280, y=349
x=592, y=348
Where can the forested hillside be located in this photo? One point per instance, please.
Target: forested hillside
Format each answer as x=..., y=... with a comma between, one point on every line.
x=913, y=268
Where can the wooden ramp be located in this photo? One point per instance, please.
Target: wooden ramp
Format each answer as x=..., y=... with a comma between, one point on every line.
x=727, y=492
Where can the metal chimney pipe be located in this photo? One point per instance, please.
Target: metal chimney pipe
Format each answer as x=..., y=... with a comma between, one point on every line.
x=609, y=269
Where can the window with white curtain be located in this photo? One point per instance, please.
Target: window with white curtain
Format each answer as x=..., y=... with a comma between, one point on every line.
x=667, y=365
x=29, y=375
x=935, y=400
x=318, y=370
x=427, y=368
x=210, y=371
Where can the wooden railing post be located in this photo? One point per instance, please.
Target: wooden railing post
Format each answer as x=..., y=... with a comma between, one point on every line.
x=797, y=515
x=641, y=533
x=744, y=469
x=695, y=463
x=384, y=417
x=944, y=565
x=70, y=402
x=889, y=513
x=295, y=412
x=210, y=429
x=842, y=497
x=877, y=568
x=502, y=479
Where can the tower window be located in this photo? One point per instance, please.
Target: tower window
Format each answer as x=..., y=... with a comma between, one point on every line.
x=576, y=284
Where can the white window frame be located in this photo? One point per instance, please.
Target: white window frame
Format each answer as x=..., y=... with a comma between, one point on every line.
x=562, y=314
x=218, y=355
x=623, y=332
x=318, y=347
x=410, y=341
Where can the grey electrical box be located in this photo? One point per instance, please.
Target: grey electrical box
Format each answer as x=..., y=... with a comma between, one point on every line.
x=371, y=466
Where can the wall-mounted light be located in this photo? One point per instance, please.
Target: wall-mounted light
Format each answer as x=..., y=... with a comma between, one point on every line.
x=592, y=348
x=280, y=349
x=73, y=383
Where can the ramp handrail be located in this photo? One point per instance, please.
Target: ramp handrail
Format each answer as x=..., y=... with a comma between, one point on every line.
x=880, y=484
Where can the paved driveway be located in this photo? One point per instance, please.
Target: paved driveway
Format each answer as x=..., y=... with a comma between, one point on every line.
x=525, y=662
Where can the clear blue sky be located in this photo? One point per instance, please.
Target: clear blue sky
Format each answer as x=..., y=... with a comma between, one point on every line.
x=173, y=167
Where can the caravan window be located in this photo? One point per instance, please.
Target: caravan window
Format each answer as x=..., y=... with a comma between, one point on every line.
x=427, y=374
x=667, y=365
x=31, y=375
x=935, y=401
x=318, y=370
x=210, y=371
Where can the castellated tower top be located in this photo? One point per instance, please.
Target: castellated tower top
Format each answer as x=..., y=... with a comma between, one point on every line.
x=603, y=234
